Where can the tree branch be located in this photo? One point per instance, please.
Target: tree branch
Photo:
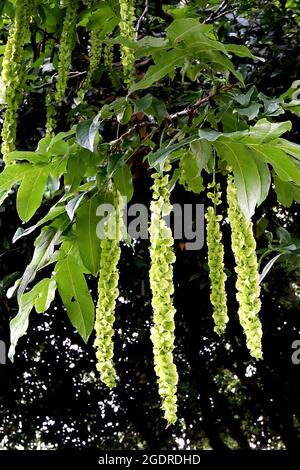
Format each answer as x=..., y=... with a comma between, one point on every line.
x=191, y=110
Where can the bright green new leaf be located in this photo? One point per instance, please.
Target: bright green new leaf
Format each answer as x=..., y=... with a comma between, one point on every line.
x=187, y=29
x=30, y=193
x=31, y=157
x=165, y=65
x=283, y=191
x=123, y=181
x=247, y=178
x=241, y=51
x=45, y=295
x=190, y=173
x=86, y=230
x=11, y=175
x=285, y=167
x=74, y=292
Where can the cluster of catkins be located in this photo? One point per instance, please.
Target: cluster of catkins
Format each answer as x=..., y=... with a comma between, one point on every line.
x=248, y=288
x=108, y=293
x=126, y=25
x=244, y=250
x=161, y=282
x=13, y=73
x=217, y=274
x=66, y=46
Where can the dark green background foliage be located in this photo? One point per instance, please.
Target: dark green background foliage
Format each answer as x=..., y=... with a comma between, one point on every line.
x=51, y=395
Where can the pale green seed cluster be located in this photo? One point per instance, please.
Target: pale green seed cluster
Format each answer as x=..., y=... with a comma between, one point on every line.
x=127, y=15
x=161, y=282
x=95, y=59
x=108, y=59
x=107, y=296
x=13, y=73
x=248, y=289
x=67, y=42
x=50, y=115
x=218, y=296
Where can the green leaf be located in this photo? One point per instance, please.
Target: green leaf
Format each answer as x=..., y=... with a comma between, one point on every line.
x=250, y=111
x=123, y=181
x=284, y=166
x=244, y=99
x=74, y=292
x=40, y=296
x=289, y=147
x=44, y=294
x=86, y=132
x=19, y=324
x=241, y=51
x=220, y=61
x=284, y=192
x=246, y=175
x=186, y=29
x=86, y=230
x=11, y=175
x=124, y=115
x=31, y=157
x=143, y=104
x=158, y=158
x=148, y=104
x=203, y=151
x=264, y=131
x=30, y=193
x=54, y=212
x=103, y=19
x=44, y=249
x=265, y=179
x=190, y=173
x=166, y=65
x=73, y=204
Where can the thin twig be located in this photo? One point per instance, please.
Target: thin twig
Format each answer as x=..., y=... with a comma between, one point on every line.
x=55, y=77
x=224, y=13
x=130, y=131
x=192, y=109
x=218, y=11
x=139, y=22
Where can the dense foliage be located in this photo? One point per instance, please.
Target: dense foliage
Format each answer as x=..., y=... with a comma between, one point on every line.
x=189, y=113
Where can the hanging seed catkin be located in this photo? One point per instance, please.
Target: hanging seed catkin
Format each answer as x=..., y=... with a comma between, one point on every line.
x=107, y=295
x=67, y=43
x=218, y=296
x=127, y=30
x=161, y=282
x=94, y=62
x=13, y=73
x=50, y=115
x=248, y=288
